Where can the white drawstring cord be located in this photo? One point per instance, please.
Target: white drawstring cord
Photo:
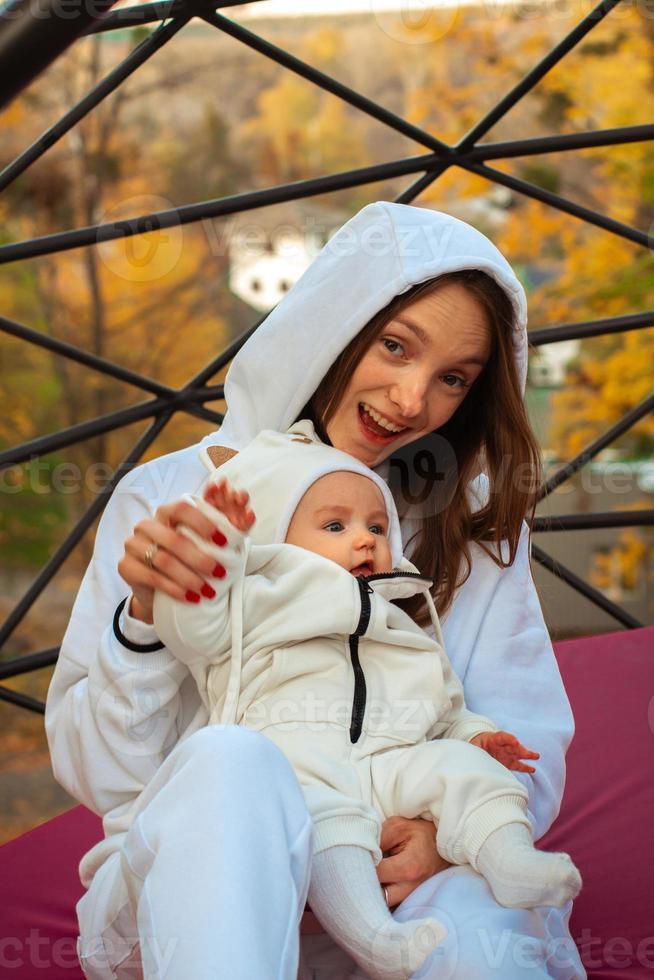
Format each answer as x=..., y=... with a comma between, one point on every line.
x=434, y=618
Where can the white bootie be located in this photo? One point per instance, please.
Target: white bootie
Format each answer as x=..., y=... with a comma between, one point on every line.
x=520, y=876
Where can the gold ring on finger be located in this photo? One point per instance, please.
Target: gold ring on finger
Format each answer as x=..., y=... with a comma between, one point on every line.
x=150, y=552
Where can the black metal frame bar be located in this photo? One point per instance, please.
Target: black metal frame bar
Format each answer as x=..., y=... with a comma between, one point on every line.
x=45, y=28
x=468, y=154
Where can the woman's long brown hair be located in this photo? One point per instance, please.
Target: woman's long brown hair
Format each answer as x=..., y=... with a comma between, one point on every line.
x=489, y=432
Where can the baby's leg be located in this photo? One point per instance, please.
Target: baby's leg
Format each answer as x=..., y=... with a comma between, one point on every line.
x=481, y=812
x=520, y=876
x=346, y=897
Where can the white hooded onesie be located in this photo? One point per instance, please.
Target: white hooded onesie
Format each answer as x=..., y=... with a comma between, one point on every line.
x=324, y=664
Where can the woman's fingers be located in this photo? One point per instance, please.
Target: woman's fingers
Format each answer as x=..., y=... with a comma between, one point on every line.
x=178, y=567
x=393, y=832
x=171, y=539
x=179, y=512
x=143, y=581
x=396, y=867
x=176, y=559
x=400, y=890
x=399, y=876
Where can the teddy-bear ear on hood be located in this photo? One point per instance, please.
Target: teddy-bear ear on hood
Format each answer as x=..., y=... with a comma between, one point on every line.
x=218, y=455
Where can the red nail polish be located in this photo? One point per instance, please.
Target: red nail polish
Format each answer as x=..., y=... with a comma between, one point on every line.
x=192, y=596
x=218, y=572
x=207, y=591
x=219, y=538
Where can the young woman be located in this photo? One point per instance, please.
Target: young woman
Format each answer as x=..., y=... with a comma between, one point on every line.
x=405, y=343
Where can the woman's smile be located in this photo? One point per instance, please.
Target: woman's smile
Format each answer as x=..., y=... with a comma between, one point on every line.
x=378, y=427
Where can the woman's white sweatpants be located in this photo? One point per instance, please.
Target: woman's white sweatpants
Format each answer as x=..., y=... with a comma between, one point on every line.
x=213, y=875
x=212, y=879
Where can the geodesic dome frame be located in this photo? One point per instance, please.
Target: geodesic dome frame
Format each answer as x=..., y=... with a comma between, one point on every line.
x=32, y=36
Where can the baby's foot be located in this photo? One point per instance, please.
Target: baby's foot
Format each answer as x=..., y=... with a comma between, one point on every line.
x=521, y=876
x=400, y=948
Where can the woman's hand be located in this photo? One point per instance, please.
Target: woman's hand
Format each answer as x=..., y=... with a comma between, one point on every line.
x=506, y=748
x=412, y=856
x=179, y=568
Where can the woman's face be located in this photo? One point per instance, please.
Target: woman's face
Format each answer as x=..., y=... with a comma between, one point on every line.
x=414, y=376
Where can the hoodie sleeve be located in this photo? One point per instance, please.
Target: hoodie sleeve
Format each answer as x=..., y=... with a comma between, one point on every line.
x=112, y=705
x=499, y=644
x=458, y=721
x=200, y=633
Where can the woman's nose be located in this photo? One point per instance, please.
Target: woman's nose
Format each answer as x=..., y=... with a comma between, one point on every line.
x=409, y=397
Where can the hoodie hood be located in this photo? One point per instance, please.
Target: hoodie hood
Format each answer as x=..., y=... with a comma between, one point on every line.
x=379, y=253
x=277, y=468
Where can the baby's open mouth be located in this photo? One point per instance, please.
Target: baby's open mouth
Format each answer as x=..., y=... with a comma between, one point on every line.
x=365, y=568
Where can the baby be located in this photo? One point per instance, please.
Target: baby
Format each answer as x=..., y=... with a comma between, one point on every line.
x=303, y=643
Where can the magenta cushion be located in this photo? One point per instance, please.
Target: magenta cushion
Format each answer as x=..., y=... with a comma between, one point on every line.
x=606, y=823
x=40, y=888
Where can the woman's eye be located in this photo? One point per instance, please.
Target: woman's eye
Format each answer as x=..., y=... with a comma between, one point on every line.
x=455, y=377
x=395, y=344
x=336, y=524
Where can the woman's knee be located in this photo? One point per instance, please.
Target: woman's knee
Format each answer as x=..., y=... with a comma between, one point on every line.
x=225, y=749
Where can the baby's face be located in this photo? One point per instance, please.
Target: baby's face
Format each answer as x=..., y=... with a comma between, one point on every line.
x=342, y=516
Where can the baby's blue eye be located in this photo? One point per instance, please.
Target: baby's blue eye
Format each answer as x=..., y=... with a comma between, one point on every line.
x=380, y=529
x=332, y=523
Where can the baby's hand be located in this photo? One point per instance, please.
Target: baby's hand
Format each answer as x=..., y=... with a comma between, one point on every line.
x=232, y=503
x=506, y=749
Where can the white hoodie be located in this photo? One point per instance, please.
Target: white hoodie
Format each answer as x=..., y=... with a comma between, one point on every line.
x=119, y=701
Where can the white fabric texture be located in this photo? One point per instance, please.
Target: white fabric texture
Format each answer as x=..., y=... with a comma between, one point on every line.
x=113, y=715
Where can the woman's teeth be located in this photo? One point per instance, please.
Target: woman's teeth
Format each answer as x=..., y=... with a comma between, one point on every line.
x=380, y=420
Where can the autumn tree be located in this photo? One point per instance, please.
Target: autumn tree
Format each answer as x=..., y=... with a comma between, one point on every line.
x=155, y=303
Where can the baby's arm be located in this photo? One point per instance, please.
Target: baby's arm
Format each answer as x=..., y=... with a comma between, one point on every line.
x=199, y=632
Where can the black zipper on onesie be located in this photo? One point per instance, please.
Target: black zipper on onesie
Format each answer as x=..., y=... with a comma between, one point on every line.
x=359, y=700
